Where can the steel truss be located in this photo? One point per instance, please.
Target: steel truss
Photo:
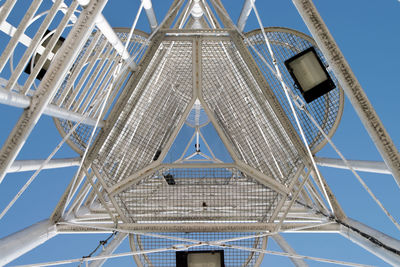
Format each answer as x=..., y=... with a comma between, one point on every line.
x=125, y=183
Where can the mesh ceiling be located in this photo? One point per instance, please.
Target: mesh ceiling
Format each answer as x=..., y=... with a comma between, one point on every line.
x=242, y=111
x=198, y=195
x=150, y=115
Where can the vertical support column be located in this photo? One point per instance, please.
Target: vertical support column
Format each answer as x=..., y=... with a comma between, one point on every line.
x=50, y=84
x=379, y=244
x=114, y=244
x=350, y=85
x=17, y=244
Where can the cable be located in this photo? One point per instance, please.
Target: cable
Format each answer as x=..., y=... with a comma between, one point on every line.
x=102, y=243
x=196, y=243
x=286, y=90
x=115, y=74
x=302, y=107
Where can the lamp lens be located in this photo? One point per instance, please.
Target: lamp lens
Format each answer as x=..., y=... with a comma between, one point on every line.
x=308, y=71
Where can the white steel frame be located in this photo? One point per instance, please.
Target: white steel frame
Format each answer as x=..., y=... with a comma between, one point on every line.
x=89, y=206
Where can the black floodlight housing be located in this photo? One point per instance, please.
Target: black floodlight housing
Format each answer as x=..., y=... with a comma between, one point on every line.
x=209, y=258
x=36, y=57
x=309, y=74
x=169, y=178
x=157, y=155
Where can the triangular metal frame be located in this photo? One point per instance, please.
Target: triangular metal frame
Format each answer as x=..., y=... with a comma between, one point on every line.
x=90, y=201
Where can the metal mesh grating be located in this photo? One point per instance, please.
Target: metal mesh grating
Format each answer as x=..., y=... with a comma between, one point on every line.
x=151, y=113
x=198, y=195
x=232, y=257
x=83, y=91
x=243, y=112
x=286, y=43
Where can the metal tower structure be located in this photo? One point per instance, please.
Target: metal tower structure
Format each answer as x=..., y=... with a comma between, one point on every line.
x=140, y=108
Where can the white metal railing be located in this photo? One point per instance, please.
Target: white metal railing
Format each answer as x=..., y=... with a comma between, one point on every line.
x=30, y=43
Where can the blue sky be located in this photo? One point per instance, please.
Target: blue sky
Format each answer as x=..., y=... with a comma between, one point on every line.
x=368, y=35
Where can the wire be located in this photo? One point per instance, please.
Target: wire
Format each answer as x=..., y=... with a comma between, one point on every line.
x=115, y=74
x=302, y=107
x=72, y=130
x=32, y=178
x=276, y=73
x=102, y=243
x=363, y=234
x=286, y=90
x=196, y=243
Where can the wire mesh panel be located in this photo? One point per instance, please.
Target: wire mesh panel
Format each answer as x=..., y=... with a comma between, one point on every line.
x=91, y=76
x=151, y=114
x=232, y=257
x=243, y=112
x=198, y=195
x=286, y=43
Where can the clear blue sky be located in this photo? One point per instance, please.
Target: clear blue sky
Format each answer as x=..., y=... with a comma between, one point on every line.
x=368, y=34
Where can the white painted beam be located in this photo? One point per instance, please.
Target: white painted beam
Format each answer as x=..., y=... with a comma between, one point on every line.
x=108, y=32
x=284, y=245
x=246, y=9
x=151, y=16
x=378, y=243
x=23, y=101
x=196, y=227
x=358, y=165
x=17, y=244
x=111, y=247
x=55, y=75
x=33, y=165
x=350, y=85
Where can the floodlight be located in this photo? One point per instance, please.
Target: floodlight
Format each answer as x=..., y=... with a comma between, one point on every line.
x=205, y=258
x=309, y=74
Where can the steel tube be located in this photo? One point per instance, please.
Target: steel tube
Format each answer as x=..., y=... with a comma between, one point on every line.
x=350, y=85
x=17, y=244
x=23, y=101
x=108, y=32
x=32, y=165
x=246, y=9
x=114, y=244
x=379, y=244
x=61, y=64
x=358, y=165
x=298, y=262
x=151, y=16
x=196, y=227
x=112, y=37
